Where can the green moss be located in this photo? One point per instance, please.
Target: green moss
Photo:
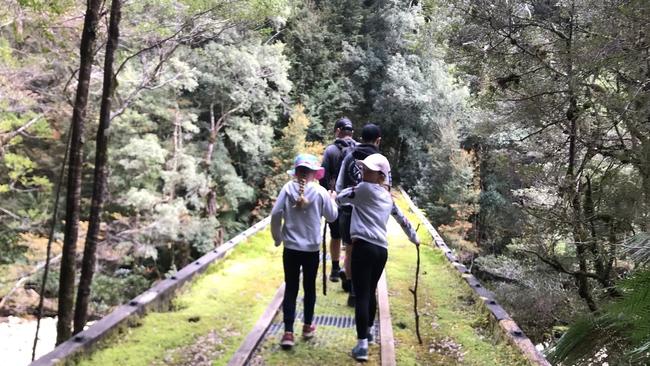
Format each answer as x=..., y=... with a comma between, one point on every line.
x=331, y=346
x=227, y=300
x=446, y=318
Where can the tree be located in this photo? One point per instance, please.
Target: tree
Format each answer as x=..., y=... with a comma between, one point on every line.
x=73, y=195
x=293, y=142
x=100, y=177
x=538, y=67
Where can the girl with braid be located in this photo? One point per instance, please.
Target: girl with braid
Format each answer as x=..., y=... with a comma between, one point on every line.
x=296, y=222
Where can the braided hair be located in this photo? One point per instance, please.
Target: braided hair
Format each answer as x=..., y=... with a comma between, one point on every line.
x=301, y=175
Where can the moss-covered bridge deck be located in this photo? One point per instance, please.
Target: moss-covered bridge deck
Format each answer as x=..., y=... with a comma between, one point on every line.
x=209, y=317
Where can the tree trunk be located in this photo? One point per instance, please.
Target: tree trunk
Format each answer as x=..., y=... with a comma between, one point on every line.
x=579, y=237
x=602, y=261
x=575, y=191
x=645, y=179
x=574, y=180
x=67, y=274
x=212, y=139
x=99, y=188
x=211, y=199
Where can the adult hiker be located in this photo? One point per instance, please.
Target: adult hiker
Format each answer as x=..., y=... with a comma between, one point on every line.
x=332, y=159
x=301, y=204
x=350, y=175
x=372, y=205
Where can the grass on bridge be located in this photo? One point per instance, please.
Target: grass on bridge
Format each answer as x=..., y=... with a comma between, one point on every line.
x=213, y=315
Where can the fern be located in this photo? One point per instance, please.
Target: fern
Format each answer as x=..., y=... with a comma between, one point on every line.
x=622, y=326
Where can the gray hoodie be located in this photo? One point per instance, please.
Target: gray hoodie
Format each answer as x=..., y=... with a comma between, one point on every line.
x=301, y=228
x=373, y=205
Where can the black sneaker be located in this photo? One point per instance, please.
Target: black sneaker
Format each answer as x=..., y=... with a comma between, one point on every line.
x=334, y=275
x=345, y=283
x=360, y=354
x=351, y=300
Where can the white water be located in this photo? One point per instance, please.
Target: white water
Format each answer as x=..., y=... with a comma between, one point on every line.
x=17, y=339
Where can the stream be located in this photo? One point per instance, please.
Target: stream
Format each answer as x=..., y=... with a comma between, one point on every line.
x=17, y=335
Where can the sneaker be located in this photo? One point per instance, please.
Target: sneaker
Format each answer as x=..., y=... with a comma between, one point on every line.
x=371, y=337
x=351, y=300
x=334, y=275
x=360, y=354
x=287, y=340
x=308, y=331
x=345, y=283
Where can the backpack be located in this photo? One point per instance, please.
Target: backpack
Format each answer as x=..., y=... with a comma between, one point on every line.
x=352, y=175
x=333, y=172
x=344, y=150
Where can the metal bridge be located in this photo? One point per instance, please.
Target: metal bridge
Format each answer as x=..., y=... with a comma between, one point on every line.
x=253, y=339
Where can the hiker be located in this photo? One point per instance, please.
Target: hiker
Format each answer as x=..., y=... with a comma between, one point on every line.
x=332, y=159
x=373, y=204
x=301, y=204
x=350, y=176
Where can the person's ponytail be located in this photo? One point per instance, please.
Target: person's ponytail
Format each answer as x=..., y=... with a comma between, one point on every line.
x=302, y=200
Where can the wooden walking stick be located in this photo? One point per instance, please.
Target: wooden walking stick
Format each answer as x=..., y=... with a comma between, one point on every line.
x=414, y=291
x=325, y=259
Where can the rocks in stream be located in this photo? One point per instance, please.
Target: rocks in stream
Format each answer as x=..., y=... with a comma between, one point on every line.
x=24, y=301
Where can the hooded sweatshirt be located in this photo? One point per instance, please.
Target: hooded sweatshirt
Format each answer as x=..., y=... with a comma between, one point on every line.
x=372, y=207
x=301, y=227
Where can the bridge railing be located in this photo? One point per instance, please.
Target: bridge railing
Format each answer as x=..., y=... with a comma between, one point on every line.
x=157, y=297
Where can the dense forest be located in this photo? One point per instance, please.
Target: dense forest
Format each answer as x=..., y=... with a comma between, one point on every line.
x=160, y=128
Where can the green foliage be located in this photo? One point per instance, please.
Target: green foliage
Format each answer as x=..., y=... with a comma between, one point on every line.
x=52, y=284
x=10, y=249
x=532, y=294
x=292, y=143
x=6, y=55
x=313, y=38
x=227, y=299
x=622, y=327
x=56, y=7
x=116, y=289
x=201, y=233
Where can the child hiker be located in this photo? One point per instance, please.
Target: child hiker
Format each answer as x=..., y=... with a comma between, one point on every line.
x=301, y=203
x=372, y=206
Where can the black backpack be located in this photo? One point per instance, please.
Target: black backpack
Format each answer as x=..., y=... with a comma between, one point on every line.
x=352, y=174
x=344, y=150
x=333, y=171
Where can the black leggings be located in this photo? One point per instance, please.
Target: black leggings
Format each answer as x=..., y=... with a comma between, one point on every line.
x=368, y=261
x=292, y=261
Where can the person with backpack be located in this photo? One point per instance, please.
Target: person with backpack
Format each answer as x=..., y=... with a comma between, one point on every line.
x=372, y=205
x=350, y=175
x=301, y=204
x=332, y=159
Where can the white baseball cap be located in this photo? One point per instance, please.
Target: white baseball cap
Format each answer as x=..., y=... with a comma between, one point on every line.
x=378, y=163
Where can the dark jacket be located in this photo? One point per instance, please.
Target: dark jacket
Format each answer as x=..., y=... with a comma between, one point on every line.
x=349, y=174
x=332, y=158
